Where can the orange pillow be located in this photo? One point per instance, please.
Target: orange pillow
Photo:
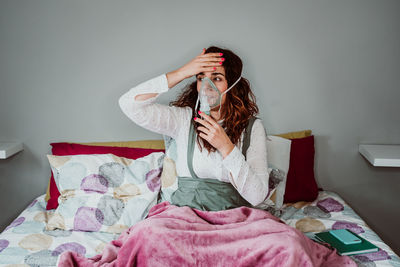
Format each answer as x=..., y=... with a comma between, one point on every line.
x=148, y=144
x=295, y=135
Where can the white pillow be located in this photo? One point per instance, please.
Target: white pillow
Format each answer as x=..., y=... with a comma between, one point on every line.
x=278, y=157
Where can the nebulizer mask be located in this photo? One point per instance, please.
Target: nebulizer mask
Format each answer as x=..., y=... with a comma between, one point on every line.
x=209, y=96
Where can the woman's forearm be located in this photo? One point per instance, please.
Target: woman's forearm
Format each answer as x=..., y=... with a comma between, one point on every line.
x=150, y=115
x=173, y=78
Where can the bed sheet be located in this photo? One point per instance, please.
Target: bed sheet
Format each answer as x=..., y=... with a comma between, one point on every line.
x=330, y=211
x=26, y=242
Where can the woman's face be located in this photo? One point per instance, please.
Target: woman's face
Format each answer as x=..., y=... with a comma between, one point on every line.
x=217, y=77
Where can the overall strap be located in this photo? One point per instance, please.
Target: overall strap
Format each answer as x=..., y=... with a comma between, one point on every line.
x=191, y=144
x=247, y=135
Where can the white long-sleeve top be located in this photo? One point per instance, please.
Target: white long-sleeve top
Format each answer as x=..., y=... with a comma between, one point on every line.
x=249, y=176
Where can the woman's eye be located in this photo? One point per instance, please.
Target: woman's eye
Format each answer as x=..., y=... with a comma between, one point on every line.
x=199, y=78
x=217, y=79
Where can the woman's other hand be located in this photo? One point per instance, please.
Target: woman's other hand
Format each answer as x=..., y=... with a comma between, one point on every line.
x=213, y=133
x=201, y=63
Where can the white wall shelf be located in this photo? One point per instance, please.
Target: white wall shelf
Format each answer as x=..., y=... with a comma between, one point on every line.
x=381, y=155
x=7, y=149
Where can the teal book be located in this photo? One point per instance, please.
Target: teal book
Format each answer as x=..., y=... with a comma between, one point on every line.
x=350, y=249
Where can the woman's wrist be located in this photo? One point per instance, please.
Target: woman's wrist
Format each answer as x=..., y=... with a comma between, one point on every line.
x=174, y=77
x=226, y=150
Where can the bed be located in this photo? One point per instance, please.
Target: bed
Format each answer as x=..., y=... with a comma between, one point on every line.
x=28, y=241
x=25, y=240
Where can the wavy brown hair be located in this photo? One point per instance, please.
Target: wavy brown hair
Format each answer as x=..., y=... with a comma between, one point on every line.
x=240, y=102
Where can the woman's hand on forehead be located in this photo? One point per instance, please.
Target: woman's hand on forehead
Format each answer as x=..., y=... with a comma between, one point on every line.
x=202, y=63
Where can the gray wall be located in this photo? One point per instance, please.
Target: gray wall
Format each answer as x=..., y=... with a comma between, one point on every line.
x=329, y=66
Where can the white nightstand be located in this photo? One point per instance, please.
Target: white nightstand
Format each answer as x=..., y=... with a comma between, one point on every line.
x=7, y=149
x=381, y=155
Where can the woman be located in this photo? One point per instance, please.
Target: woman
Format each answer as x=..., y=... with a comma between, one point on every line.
x=222, y=177
x=213, y=170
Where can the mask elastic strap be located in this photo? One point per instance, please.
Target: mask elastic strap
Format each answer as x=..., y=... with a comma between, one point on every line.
x=230, y=87
x=226, y=91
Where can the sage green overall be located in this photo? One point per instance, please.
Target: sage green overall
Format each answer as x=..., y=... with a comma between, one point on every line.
x=204, y=193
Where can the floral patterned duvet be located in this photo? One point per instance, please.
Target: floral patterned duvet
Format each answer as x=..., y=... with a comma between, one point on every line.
x=26, y=242
x=330, y=211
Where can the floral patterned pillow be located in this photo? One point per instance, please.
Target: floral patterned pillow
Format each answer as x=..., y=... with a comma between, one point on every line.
x=103, y=192
x=169, y=177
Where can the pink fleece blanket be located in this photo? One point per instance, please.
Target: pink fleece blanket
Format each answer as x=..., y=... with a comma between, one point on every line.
x=181, y=236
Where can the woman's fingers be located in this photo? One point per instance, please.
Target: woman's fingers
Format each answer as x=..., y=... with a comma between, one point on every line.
x=211, y=64
x=209, y=126
x=208, y=119
x=204, y=136
x=210, y=59
x=206, y=69
x=210, y=55
x=204, y=62
x=203, y=129
x=204, y=123
x=213, y=133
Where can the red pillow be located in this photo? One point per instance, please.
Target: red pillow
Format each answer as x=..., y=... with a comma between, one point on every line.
x=300, y=182
x=64, y=149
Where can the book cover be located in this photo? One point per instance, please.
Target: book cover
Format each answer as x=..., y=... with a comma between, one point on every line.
x=364, y=247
